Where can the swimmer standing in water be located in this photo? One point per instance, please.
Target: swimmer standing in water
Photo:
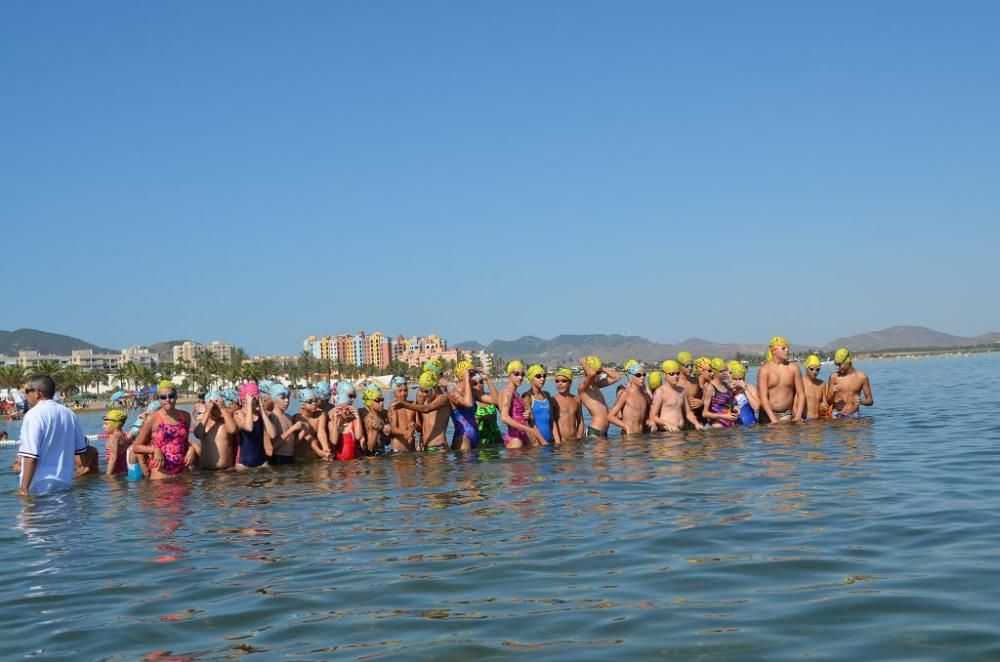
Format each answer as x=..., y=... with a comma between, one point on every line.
x=632, y=409
x=671, y=405
x=567, y=410
x=596, y=377
x=539, y=403
x=779, y=382
x=815, y=390
x=846, y=387
x=520, y=433
x=216, y=431
x=404, y=422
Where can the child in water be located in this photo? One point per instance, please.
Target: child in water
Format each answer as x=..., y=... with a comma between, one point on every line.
x=116, y=447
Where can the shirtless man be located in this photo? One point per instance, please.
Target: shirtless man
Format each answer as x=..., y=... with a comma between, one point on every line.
x=435, y=411
x=567, y=410
x=216, y=434
x=632, y=409
x=815, y=390
x=315, y=443
x=671, y=405
x=280, y=431
x=846, y=386
x=779, y=383
x=595, y=378
x=403, y=421
x=692, y=387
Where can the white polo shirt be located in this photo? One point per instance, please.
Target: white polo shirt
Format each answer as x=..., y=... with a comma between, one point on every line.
x=51, y=434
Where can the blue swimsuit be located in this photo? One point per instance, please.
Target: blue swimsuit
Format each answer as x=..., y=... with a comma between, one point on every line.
x=542, y=413
x=465, y=425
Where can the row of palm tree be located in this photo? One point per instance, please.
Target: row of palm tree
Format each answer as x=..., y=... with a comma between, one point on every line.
x=208, y=371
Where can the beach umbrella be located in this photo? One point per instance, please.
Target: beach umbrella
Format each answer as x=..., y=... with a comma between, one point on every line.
x=117, y=395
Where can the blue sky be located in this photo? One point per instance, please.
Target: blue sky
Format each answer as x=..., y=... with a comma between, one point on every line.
x=259, y=171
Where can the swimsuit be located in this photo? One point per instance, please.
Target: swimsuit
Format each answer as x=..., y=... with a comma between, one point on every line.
x=251, y=450
x=722, y=403
x=782, y=415
x=837, y=414
x=172, y=440
x=121, y=462
x=465, y=425
x=347, y=448
x=486, y=423
x=517, y=413
x=542, y=413
x=134, y=468
x=594, y=432
x=747, y=415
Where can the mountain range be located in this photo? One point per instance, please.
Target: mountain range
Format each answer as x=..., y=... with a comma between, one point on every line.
x=564, y=349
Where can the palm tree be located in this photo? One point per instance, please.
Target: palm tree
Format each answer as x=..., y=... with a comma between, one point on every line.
x=48, y=367
x=13, y=376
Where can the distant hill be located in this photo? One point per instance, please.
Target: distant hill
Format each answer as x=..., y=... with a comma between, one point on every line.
x=165, y=350
x=12, y=342
x=566, y=349
x=470, y=345
x=906, y=337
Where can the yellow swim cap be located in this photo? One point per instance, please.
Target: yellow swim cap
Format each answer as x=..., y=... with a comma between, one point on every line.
x=116, y=416
x=737, y=370
x=166, y=385
x=593, y=362
x=535, y=369
x=684, y=357
x=842, y=356
x=370, y=393
x=462, y=367
x=655, y=380
x=718, y=364
x=515, y=366
x=671, y=366
x=702, y=363
x=428, y=379
x=777, y=341
x=812, y=360
x=565, y=372
x=628, y=364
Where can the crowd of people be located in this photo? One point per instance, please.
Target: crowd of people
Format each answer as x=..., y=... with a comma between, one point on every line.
x=250, y=427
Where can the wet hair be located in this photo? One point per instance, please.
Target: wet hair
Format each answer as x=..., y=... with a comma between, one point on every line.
x=44, y=384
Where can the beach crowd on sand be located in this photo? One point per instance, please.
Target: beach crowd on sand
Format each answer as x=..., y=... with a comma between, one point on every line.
x=250, y=426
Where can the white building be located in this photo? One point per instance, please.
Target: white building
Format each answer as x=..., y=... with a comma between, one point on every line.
x=189, y=351
x=139, y=355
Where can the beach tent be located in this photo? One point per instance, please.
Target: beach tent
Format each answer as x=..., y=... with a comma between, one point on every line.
x=147, y=391
x=117, y=395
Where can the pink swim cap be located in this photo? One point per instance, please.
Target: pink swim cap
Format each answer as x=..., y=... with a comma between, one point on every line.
x=248, y=388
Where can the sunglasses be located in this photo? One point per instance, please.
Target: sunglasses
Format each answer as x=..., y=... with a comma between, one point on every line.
x=673, y=374
x=107, y=420
x=168, y=396
x=562, y=380
x=30, y=390
x=813, y=369
x=540, y=375
x=688, y=365
x=640, y=375
x=379, y=400
x=476, y=382
x=517, y=374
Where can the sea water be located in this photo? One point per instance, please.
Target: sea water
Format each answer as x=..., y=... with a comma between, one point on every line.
x=868, y=539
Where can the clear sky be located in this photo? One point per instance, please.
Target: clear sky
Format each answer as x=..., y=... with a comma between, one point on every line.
x=259, y=171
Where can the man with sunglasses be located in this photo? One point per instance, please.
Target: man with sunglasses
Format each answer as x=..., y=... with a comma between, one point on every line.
x=596, y=377
x=51, y=441
x=779, y=382
x=690, y=382
x=671, y=407
x=846, y=387
x=567, y=410
x=632, y=409
x=815, y=390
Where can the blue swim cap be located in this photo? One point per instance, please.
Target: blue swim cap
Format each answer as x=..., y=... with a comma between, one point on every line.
x=264, y=386
x=229, y=395
x=211, y=396
x=344, y=399
x=307, y=394
x=153, y=406
x=322, y=390
x=398, y=381
x=346, y=388
x=277, y=390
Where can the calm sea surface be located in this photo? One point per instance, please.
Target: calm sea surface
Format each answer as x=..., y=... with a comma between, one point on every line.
x=871, y=539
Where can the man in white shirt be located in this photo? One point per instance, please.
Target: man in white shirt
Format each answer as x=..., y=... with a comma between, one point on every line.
x=50, y=437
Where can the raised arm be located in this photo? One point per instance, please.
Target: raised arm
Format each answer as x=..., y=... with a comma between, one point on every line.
x=439, y=400
x=270, y=431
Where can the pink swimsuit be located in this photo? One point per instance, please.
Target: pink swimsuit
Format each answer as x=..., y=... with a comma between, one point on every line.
x=517, y=413
x=172, y=440
x=119, y=463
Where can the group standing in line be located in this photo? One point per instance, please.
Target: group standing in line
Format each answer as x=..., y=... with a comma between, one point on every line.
x=250, y=427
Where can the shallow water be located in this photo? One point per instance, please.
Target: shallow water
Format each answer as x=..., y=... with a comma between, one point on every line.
x=851, y=539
